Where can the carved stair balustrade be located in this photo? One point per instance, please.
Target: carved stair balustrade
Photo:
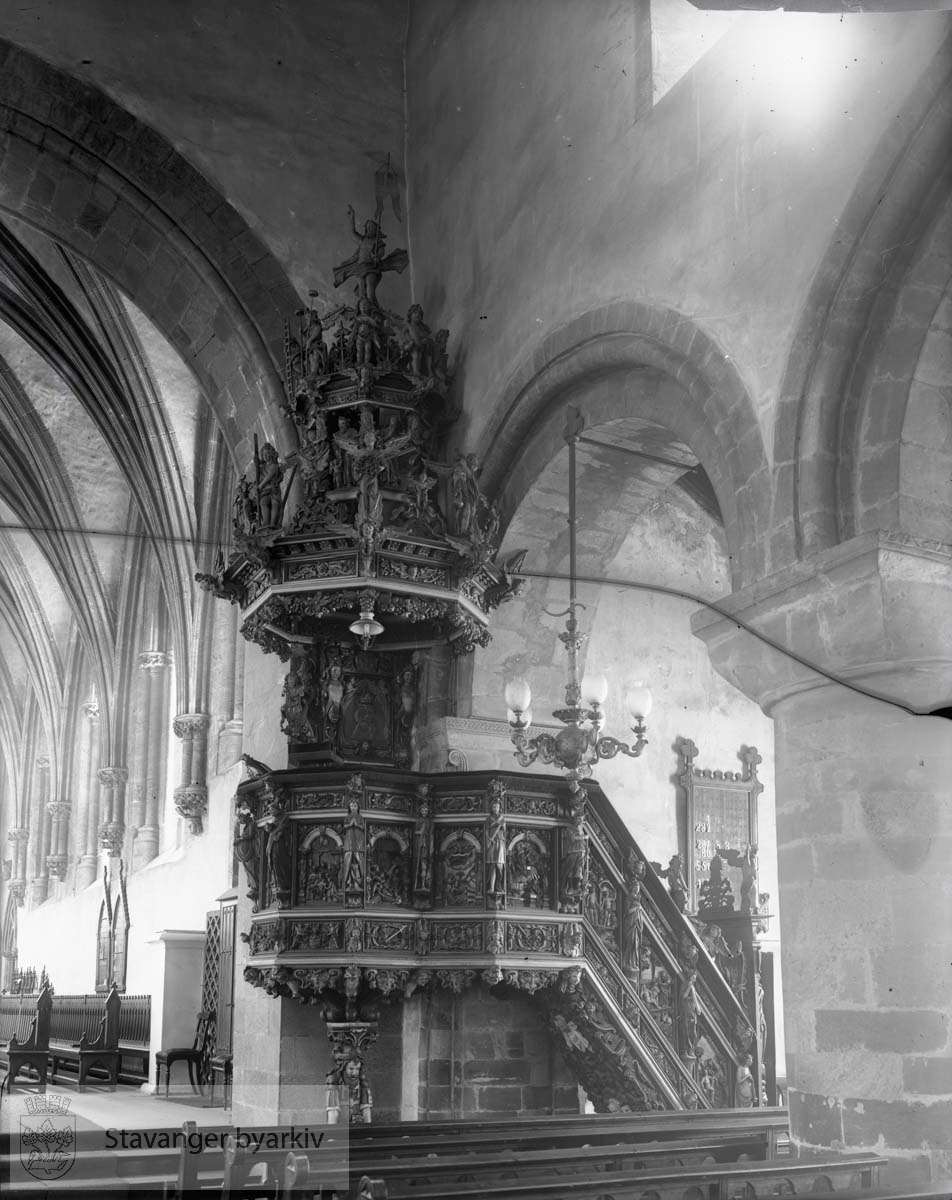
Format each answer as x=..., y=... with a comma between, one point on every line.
x=369, y=886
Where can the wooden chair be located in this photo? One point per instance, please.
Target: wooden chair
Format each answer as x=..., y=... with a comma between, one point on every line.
x=221, y=1064
x=195, y=1056
x=34, y=1050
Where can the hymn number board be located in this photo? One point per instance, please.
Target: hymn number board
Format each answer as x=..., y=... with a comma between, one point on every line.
x=721, y=810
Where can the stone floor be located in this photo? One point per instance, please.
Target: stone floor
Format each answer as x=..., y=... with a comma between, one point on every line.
x=128, y=1107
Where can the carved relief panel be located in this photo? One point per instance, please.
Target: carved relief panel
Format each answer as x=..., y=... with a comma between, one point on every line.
x=460, y=866
x=601, y=902
x=388, y=862
x=320, y=860
x=529, y=871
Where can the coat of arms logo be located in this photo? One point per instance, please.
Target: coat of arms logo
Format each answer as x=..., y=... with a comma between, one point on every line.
x=47, y=1137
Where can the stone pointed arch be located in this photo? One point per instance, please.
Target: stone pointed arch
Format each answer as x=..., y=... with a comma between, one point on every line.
x=91, y=176
x=668, y=370
x=848, y=308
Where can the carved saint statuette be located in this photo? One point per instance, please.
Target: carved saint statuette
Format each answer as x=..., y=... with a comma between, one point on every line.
x=247, y=849
x=423, y=850
x=634, y=918
x=496, y=855
x=278, y=852
x=352, y=870
x=573, y=869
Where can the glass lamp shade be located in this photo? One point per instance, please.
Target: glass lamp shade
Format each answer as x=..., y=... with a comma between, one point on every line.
x=594, y=688
x=366, y=626
x=518, y=695
x=638, y=701
x=522, y=719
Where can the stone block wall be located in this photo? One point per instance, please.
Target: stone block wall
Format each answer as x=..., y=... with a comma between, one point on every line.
x=483, y=1056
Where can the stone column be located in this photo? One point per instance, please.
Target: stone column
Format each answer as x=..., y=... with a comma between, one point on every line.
x=226, y=683
x=112, y=831
x=191, y=796
x=40, y=824
x=138, y=765
x=864, y=834
x=87, y=820
x=154, y=663
x=20, y=837
x=58, y=858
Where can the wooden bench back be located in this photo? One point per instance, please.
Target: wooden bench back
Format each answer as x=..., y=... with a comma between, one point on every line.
x=709, y=1181
x=38, y=1037
x=107, y=1037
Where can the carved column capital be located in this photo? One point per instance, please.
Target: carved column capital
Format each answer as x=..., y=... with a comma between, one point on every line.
x=18, y=891
x=42, y=762
x=113, y=776
x=187, y=725
x=58, y=808
x=91, y=710
x=20, y=834
x=56, y=864
x=191, y=802
x=111, y=837
x=154, y=660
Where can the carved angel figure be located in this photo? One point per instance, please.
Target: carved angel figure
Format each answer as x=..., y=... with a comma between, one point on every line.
x=573, y=1036
x=367, y=462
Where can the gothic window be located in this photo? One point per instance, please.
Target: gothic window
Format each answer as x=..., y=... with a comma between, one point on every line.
x=112, y=937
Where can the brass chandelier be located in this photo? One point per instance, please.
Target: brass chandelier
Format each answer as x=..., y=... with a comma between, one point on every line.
x=580, y=744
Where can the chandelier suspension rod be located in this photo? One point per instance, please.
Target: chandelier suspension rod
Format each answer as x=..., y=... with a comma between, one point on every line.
x=573, y=428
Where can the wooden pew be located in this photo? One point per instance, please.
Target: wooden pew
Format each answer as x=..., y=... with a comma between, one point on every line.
x=372, y=1144
x=101, y=1051
x=258, y=1174
x=541, y=1131
x=663, y=1137
x=560, y=1160
x=713, y=1181
x=33, y=1050
x=376, y=1189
